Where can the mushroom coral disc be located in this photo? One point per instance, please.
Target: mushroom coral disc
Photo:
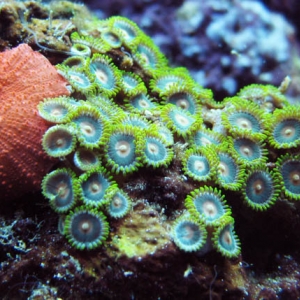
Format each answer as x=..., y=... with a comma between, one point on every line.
x=26, y=78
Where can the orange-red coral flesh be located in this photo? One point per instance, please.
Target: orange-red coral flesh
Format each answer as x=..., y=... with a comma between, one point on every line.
x=26, y=77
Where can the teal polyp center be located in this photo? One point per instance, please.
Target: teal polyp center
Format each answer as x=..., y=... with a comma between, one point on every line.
x=128, y=33
x=86, y=228
x=60, y=186
x=56, y=110
x=90, y=128
x=198, y=165
x=79, y=79
x=245, y=121
x=259, y=188
x=147, y=55
x=167, y=81
x=227, y=168
x=181, y=120
x=104, y=74
x=188, y=233
x=141, y=102
x=183, y=101
x=247, y=149
x=209, y=205
x=117, y=202
x=85, y=159
x=129, y=82
x=111, y=38
x=287, y=131
x=118, y=205
x=64, y=195
x=227, y=240
x=58, y=141
x=290, y=171
x=155, y=150
x=122, y=149
x=94, y=187
x=203, y=139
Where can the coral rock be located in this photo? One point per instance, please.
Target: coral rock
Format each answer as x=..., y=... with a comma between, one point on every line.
x=26, y=77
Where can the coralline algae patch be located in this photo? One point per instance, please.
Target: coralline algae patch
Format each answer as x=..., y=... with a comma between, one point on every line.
x=131, y=116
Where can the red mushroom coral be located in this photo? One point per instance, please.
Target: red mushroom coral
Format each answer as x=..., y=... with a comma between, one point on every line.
x=26, y=78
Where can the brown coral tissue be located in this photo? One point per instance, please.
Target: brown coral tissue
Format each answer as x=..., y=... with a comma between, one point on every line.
x=26, y=77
